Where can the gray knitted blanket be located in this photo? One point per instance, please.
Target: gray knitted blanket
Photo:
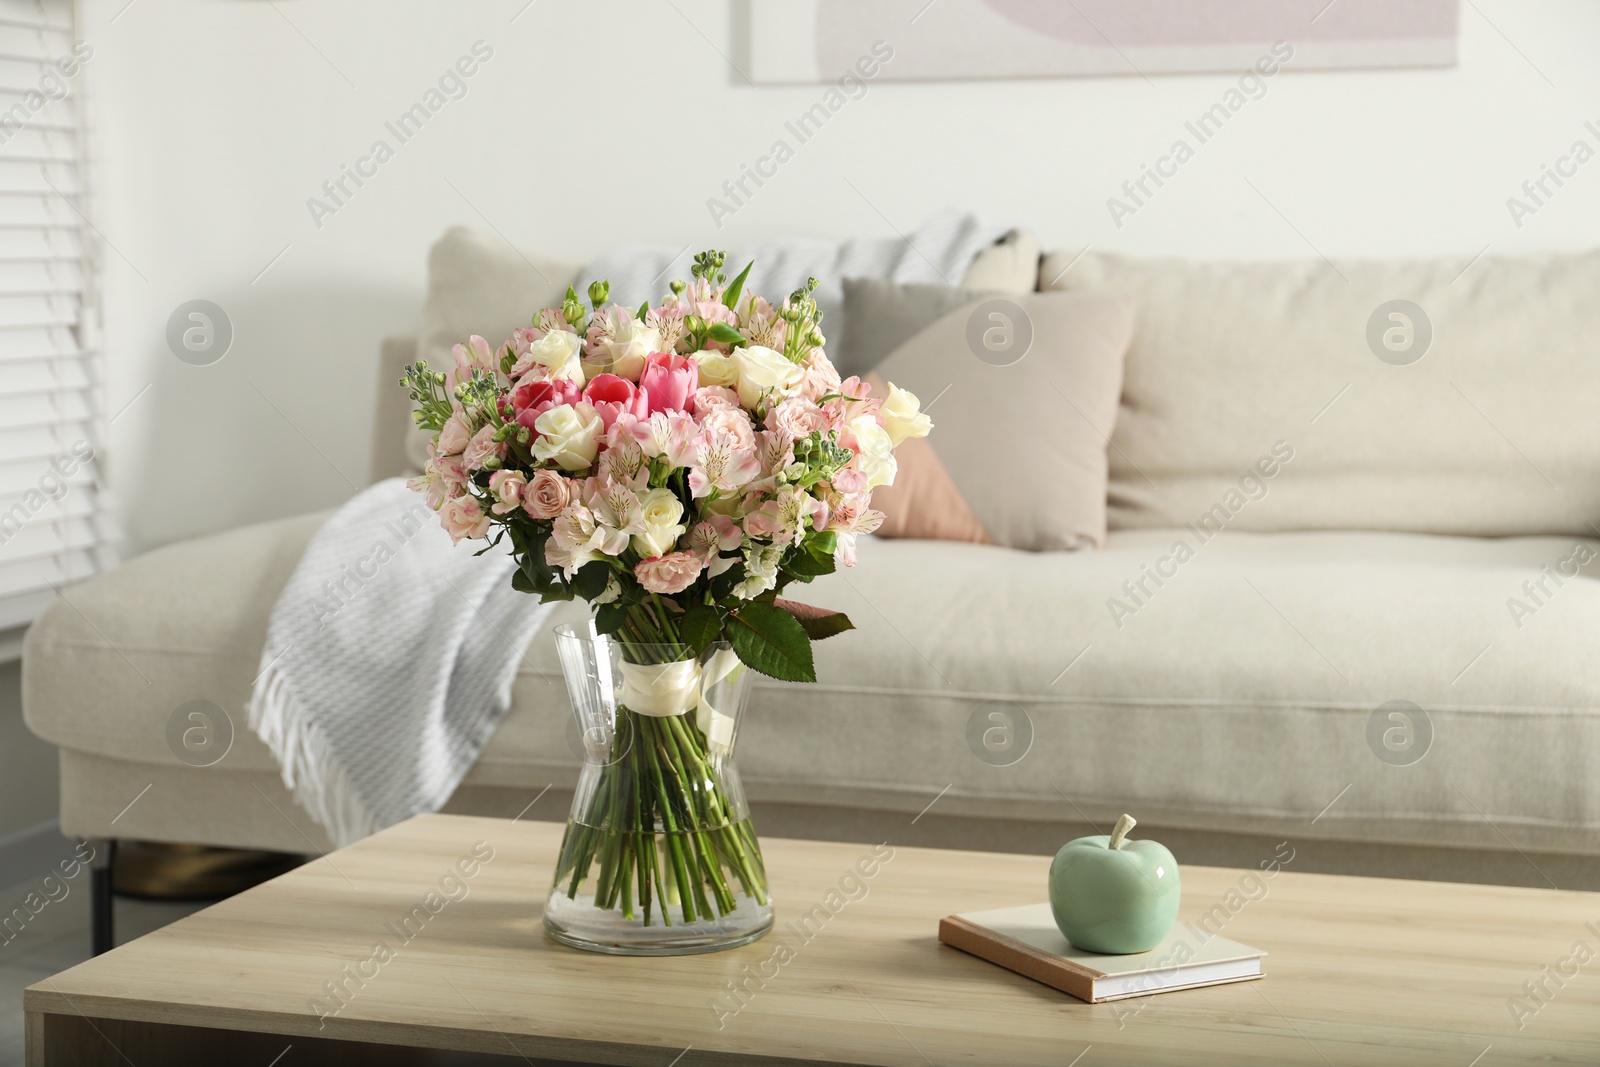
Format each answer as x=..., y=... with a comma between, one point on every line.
x=389, y=662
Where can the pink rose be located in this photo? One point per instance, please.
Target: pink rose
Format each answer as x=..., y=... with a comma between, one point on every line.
x=731, y=426
x=453, y=436
x=533, y=397
x=546, y=496
x=820, y=378
x=713, y=396
x=463, y=516
x=670, y=381
x=672, y=573
x=506, y=487
x=482, y=446
x=797, y=417
x=613, y=396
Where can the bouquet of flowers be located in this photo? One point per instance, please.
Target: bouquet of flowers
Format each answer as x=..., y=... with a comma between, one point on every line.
x=677, y=466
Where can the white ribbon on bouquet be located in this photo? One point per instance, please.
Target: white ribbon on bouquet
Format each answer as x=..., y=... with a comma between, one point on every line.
x=662, y=690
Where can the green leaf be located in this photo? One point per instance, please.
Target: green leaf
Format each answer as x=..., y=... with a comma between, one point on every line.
x=521, y=582
x=608, y=618
x=529, y=550
x=818, y=623
x=773, y=642
x=644, y=309
x=722, y=585
x=823, y=543
x=632, y=592
x=701, y=625
x=806, y=566
x=590, y=581
x=726, y=334
x=730, y=297
x=556, y=591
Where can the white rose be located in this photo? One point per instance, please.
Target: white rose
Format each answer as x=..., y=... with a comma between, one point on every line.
x=661, y=512
x=717, y=369
x=558, y=350
x=876, y=456
x=627, y=349
x=903, y=417
x=569, y=436
x=762, y=370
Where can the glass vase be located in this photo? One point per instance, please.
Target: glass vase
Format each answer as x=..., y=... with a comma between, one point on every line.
x=659, y=856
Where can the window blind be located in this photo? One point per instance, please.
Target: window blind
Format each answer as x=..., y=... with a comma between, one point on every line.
x=53, y=513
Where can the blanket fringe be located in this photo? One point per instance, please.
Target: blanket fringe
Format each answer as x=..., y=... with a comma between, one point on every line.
x=311, y=773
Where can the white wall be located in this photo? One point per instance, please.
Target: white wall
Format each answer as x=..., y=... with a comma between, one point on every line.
x=599, y=123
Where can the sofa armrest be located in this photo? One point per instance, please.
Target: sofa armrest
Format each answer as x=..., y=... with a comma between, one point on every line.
x=398, y=447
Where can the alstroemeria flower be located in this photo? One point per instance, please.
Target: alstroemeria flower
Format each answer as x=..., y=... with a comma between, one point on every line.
x=615, y=505
x=474, y=355
x=714, y=535
x=675, y=436
x=576, y=538
x=717, y=465
x=782, y=520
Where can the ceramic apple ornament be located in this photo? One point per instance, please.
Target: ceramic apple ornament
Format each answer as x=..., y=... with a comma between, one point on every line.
x=1111, y=894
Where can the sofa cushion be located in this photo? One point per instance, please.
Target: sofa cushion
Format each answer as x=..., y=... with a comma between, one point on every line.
x=1018, y=455
x=1240, y=694
x=1488, y=428
x=885, y=315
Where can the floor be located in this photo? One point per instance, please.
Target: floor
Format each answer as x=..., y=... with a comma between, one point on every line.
x=57, y=938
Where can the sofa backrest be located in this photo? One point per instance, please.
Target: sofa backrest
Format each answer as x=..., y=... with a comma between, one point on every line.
x=1473, y=408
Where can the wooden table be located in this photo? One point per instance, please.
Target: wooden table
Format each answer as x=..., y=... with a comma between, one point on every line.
x=1361, y=971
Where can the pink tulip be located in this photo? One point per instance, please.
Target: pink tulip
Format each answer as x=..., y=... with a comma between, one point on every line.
x=670, y=380
x=613, y=396
x=532, y=398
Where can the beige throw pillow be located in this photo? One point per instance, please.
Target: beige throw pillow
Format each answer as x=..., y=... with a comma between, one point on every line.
x=1023, y=392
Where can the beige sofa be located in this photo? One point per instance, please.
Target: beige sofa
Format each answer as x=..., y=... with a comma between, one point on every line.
x=1241, y=695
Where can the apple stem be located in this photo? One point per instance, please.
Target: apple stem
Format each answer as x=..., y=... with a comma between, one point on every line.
x=1125, y=823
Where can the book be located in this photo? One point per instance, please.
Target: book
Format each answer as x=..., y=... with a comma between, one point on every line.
x=1026, y=940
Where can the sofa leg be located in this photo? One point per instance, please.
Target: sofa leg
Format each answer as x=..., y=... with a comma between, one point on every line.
x=102, y=933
